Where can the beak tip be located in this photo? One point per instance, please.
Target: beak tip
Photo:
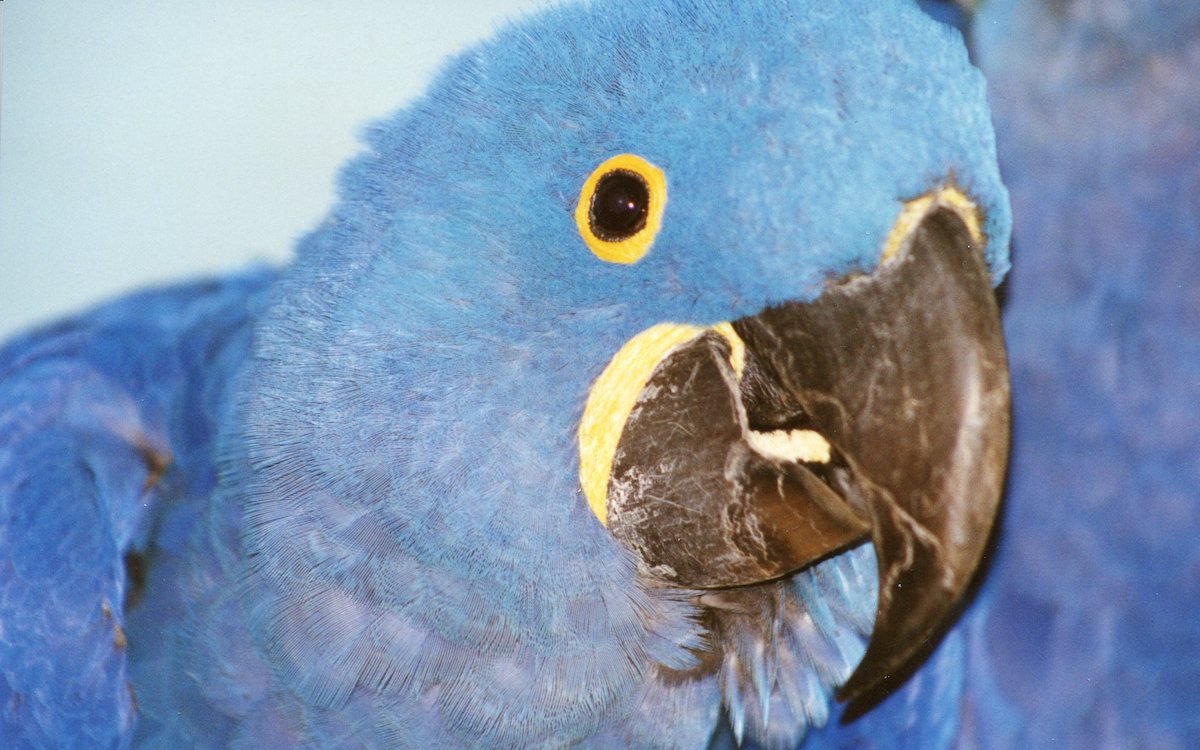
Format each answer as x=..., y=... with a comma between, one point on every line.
x=916, y=611
x=883, y=668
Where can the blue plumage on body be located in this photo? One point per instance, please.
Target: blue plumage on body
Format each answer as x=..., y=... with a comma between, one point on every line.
x=361, y=524
x=375, y=499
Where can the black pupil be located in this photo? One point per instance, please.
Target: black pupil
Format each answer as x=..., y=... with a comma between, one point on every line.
x=619, y=205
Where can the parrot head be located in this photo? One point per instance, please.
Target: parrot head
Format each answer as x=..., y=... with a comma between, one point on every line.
x=675, y=297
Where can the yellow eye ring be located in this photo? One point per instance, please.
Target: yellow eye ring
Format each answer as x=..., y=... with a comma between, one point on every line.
x=620, y=208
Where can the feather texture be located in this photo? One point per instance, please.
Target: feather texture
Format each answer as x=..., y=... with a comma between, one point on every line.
x=372, y=532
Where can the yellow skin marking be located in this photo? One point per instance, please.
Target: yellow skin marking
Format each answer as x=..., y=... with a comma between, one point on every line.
x=632, y=249
x=916, y=209
x=806, y=446
x=737, y=349
x=615, y=393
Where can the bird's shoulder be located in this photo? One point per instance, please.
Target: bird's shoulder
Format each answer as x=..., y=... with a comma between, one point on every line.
x=104, y=417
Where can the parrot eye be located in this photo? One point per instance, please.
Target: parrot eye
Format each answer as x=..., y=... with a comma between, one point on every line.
x=620, y=208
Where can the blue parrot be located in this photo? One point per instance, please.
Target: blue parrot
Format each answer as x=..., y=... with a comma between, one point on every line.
x=644, y=388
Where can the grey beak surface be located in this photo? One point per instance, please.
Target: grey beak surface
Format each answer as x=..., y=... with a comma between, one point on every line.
x=904, y=373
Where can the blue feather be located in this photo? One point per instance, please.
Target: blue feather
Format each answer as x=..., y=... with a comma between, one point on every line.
x=371, y=532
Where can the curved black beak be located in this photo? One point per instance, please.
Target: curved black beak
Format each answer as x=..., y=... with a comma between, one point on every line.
x=879, y=410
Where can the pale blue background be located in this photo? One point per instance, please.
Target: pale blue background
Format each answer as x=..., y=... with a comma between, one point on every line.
x=143, y=141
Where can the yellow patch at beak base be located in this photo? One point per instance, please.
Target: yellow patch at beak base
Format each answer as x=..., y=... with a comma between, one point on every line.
x=616, y=391
x=913, y=211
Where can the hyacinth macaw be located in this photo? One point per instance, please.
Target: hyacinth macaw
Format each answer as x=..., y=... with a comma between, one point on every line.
x=644, y=388
x=1092, y=638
